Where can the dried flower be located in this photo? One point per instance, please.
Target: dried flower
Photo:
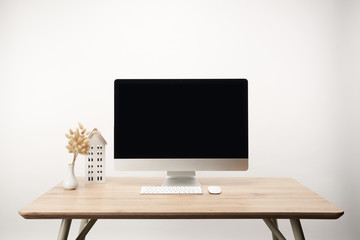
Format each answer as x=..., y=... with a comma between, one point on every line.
x=79, y=142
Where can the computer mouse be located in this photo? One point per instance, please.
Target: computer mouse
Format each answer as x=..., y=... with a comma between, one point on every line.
x=214, y=189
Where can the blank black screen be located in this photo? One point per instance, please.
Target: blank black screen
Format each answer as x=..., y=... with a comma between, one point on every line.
x=181, y=118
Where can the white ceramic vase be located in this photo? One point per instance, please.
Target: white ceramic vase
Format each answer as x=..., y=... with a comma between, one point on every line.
x=70, y=181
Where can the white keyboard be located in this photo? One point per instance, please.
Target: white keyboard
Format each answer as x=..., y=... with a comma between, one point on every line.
x=171, y=190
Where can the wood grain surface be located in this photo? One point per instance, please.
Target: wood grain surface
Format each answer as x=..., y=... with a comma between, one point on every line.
x=119, y=198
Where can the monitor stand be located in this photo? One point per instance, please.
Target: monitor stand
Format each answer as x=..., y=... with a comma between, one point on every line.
x=181, y=178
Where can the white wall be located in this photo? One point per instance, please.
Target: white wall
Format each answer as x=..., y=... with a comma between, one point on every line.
x=58, y=60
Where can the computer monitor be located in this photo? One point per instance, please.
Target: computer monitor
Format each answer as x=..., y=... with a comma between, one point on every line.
x=181, y=126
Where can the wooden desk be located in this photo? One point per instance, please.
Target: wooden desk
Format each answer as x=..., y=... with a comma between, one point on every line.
x=241, y=198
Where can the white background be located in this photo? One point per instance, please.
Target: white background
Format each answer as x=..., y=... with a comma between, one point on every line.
x=58, y=61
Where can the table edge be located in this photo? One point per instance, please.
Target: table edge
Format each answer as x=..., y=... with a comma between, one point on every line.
x=182, y=215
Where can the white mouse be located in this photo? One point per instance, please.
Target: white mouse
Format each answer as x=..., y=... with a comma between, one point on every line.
x=214, y=189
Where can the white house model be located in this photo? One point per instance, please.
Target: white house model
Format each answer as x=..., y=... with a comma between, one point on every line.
x=95, y=161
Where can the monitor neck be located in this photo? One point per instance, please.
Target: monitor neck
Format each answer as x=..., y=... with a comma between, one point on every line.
x=181, y=178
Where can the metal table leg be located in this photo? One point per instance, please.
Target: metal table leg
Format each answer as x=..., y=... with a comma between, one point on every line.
x=83, y=224
x=297, y=229
x=86, y=229
x=274, y=229
x=276, y=224
x=64, y=229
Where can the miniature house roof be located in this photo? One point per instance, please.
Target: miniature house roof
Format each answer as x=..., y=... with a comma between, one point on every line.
x=100, y=136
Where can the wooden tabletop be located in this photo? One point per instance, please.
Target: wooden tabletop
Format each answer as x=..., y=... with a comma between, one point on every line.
x=119, y=198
